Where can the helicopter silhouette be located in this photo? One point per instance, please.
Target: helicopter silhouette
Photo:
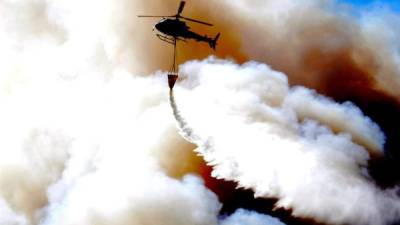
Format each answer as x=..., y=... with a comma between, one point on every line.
x=173, y=29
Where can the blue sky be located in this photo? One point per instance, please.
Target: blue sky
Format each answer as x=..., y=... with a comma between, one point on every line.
x=393, y=4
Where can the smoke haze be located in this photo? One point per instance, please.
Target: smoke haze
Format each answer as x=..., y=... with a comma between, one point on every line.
x=300, y=104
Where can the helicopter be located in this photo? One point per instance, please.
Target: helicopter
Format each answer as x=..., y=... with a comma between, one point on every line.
x=173, y=29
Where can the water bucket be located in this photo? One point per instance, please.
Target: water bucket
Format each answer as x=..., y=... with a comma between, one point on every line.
x=172, y=77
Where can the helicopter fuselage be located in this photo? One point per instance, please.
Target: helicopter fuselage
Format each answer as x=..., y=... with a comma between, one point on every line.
x=178, y=29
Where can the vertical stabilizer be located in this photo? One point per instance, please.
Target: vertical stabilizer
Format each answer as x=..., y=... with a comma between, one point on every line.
x=213, y=42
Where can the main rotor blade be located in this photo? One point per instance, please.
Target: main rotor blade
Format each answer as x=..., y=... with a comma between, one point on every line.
x=155, y=16
x=181, y=5
x=196, y=21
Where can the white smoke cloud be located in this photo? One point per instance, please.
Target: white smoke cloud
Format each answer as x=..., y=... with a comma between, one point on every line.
x=146, y=198
x=93, y=159
x=270, y=139
x=8, y=216
x=339, y=117
x=242, y=216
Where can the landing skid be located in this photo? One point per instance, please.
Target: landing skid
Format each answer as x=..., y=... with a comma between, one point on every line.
x=169, y=40
x=166, y=39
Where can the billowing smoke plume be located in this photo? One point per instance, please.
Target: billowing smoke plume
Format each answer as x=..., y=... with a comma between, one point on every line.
x=244, y=217
x=255, y=133
x=88, y=136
